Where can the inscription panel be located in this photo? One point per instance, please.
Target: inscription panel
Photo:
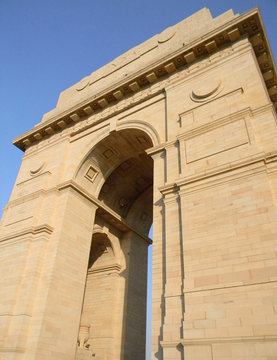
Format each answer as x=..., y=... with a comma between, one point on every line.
x=217, y=140
x=212, y=109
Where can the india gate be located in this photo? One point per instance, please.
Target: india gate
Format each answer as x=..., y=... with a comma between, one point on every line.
x=179, y=132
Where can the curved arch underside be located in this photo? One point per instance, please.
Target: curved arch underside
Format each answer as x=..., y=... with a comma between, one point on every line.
x=120, y=174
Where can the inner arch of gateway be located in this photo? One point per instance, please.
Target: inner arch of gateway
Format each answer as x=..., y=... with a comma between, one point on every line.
x=179, y=132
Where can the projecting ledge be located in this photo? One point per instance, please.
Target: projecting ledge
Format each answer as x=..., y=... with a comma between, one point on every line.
x=247, y=166
x=19, y=235
x=236, y=339
x=171, y=344
x=103, y=210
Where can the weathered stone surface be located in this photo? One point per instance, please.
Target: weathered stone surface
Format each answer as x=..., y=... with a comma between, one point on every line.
x=179, y=131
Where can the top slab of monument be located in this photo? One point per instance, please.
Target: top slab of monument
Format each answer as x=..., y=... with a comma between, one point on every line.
x=174, y=48
x=150, y=51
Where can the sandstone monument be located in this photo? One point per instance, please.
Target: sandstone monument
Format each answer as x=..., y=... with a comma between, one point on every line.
x=180, y=132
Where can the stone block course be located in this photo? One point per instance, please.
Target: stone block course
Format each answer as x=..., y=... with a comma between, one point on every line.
x=189, y=145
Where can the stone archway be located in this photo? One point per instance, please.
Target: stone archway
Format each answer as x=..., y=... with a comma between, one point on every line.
x=200, y=99
x=119, y=173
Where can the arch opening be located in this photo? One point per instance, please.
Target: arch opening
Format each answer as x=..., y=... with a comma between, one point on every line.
x=114, y=308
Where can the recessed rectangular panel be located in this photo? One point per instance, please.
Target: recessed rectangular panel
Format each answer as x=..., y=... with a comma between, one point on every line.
x=217, y=140
x=91, y=174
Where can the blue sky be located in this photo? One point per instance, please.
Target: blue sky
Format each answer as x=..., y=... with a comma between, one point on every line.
x=48, y=45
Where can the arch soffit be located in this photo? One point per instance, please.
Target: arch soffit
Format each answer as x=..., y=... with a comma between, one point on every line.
x=144, y=126
x=115, y=244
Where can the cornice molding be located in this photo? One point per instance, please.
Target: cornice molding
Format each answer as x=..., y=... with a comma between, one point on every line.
x=216, y=340
x=245, y=167
x=112, y=268
x=34, y=230
x=201, y=129
x=235, y=339
x=248, y=24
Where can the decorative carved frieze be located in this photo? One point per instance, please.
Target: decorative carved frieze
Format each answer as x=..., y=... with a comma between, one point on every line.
x=248, y=24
